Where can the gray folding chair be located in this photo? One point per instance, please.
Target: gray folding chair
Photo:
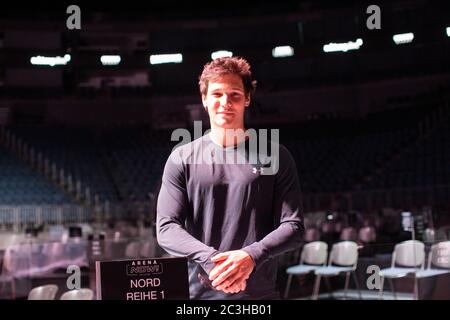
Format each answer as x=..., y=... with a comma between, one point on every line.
x=438, y=261
x=343, y=259
x=408, y=258
x=313, y=256
x=45, y=292
x=78, y=294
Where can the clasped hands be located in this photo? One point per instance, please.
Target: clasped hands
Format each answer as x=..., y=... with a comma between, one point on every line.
x=231, y=271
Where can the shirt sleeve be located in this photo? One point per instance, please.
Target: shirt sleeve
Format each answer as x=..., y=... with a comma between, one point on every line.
x=171, y=212
x=288, y=215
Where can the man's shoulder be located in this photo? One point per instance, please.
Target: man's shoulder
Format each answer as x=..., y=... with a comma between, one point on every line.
x=282, y=148
x=283, y=157
x=183, y=152
x=283, y=151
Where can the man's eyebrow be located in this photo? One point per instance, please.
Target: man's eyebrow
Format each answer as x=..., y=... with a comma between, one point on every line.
x=232, y=88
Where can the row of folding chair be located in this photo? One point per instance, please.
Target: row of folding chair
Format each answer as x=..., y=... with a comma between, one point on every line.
x=408, y=259
x=343, y=259
x=364, y=234
x=48, y=292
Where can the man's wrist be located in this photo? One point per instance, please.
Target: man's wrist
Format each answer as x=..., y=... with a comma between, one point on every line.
x=249, y=257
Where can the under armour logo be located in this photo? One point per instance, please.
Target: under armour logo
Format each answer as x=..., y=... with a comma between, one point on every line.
x=255, y=170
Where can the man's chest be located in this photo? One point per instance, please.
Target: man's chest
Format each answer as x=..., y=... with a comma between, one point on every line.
x=242, y=176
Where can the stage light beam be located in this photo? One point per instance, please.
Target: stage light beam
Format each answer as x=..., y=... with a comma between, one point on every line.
x=110, y=60
x=166, y=58
x=50, y=61
x=344, y=47
x=221, y=54
x=403, y=38
x=282, y=51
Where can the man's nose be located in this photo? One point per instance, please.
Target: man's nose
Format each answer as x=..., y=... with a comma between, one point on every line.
x=225, y=100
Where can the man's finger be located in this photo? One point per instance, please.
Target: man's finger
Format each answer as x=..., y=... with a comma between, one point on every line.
x=239, y=282
x=237, y=286
x=243, y=285
x=218, y=269
x=224, y=275
x=229, y=281
x=220, y=256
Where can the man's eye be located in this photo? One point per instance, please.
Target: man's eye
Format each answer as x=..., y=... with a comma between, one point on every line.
x=216, y=95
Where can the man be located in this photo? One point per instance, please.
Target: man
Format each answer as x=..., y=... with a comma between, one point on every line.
x=228, y=218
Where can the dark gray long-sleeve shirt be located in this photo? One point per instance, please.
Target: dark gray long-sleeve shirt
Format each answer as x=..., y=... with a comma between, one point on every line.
x=207, y=205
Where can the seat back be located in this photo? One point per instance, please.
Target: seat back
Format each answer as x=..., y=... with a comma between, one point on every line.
x=78, y=294
x=440, y=255
x=17, y=260
x=133, y=250
x=53, y=249
x=148, y=249
x=367, y=234
x=312, y=234
x=344, y=253
x=338, y=227
x=327, y=227
x=429, y=235
x=348, y=234
x=443, y=233
x=314, y=253
x=409, y=253
x=8, y=239
x=45, y=292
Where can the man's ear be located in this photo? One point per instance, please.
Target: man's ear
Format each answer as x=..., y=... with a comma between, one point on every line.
x=247, y=101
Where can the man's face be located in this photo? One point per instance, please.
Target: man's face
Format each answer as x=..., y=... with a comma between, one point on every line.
x=226, y=102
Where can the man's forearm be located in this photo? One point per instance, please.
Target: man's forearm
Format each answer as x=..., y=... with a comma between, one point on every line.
x=177, y=241
x=288, y=236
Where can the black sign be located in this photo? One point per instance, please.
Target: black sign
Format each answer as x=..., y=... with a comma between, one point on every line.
x=143, y=279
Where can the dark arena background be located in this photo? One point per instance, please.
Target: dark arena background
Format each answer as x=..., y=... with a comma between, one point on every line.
x=360, y=93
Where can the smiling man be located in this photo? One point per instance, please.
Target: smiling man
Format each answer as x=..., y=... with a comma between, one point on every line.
x=230, y=220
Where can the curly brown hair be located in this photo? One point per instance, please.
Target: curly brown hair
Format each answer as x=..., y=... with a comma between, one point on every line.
x=227, y=65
